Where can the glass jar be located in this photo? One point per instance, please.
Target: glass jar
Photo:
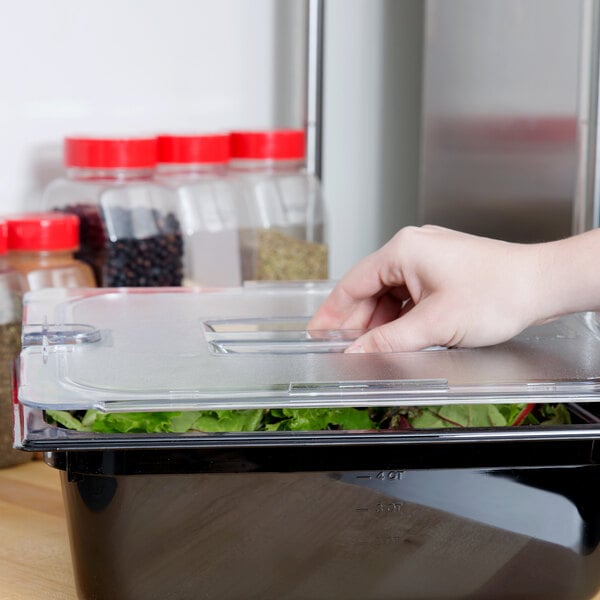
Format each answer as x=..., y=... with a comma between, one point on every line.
x=281, y=213
x=41, y=247
x=195, y=167
x=129, y=232
x=11, y=295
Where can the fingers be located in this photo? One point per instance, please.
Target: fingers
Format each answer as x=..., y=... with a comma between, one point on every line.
x=388, y=308
x=433, y=286
x=418, y=328
x=341, y=311
x=354, y=300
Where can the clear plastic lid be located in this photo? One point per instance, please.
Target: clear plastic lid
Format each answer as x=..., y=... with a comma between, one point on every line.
x=179, y=349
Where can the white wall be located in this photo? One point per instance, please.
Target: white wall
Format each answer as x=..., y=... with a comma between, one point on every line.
x=371, y=122
x=125, y=67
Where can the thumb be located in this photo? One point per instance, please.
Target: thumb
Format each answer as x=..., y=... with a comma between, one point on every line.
x=417, y=329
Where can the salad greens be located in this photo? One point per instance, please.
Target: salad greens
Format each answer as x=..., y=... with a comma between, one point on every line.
x=313, y=419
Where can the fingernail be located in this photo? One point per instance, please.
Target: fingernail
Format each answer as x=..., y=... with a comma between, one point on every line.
x=355, y=349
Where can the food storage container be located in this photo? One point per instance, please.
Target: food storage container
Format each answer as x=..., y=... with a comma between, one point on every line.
x=211, y=447
x=195, y=166
x=41, y=247
x=129, y=232
x=11, y=291
x=281, y=214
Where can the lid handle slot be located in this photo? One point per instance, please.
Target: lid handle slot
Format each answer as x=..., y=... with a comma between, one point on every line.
x=42, y=334
x=279, y=335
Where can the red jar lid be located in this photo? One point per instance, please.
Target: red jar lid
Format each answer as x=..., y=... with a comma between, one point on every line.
x=282, y=144
x=110, y=153
x=3, y=237
x=38, y=232
x=195, y=149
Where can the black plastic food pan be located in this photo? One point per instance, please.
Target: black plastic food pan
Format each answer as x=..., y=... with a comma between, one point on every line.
x=475, y=514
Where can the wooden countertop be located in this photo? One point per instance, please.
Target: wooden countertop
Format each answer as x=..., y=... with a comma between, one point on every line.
x=35, y=561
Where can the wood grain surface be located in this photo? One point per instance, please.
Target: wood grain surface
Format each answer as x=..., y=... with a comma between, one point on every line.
x=35, y=562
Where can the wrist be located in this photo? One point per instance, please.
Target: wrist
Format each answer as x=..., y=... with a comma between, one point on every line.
x=568, y=276
x=533, y=301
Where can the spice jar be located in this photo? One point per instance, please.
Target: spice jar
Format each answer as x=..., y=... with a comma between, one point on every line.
x=41, y=247
x=281, y=214
x=129, y=232
x=195, y=167
x=11, y=292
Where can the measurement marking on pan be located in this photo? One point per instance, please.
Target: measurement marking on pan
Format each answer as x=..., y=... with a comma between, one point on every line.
x=364, y=477
x=390, y=475
x=362, y=509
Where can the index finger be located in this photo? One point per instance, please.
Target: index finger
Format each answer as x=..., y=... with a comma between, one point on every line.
x=351, y=303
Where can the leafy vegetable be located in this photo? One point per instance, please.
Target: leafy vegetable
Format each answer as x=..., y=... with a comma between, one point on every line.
x=555, y=414
x=66, y=419
x=317, y=419
x=313, y=419
x=228, y=420
x=460, y=415
x=143, y=422
x=160, y=422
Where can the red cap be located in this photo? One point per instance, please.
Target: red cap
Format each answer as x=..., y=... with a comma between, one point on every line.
x=43, y=231
x=3, y=237
x=283, y=144
x=110, y=153
x=180, y=149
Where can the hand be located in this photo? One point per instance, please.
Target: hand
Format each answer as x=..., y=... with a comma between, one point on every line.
x=434, y=286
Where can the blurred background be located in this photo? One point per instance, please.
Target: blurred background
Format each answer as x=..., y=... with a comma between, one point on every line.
x=475, y=114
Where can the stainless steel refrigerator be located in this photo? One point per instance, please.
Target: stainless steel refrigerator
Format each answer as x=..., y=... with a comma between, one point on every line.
x=509, y=117
x=480, y=115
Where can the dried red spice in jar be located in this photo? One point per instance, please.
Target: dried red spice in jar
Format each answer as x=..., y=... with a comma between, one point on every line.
x=41, y=246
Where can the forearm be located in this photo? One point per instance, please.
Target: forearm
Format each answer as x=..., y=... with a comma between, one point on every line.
x=568, y=277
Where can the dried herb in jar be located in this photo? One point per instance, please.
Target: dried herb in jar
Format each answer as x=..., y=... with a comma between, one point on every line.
x=268, y=254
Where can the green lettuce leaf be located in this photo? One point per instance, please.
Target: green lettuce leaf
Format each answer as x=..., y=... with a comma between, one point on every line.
x=555, y=414
x=228, y=420
x=459, y=415
x=318, y=419
x=66, y=419
x=172, y=422
x=510, y=411
x=142, y=422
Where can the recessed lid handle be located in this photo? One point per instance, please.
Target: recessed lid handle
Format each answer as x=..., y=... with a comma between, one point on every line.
x=43, y=334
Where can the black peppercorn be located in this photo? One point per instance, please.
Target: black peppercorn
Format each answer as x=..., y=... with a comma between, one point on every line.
x=138, y=247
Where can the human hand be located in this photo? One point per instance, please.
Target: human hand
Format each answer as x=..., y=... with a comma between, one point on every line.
x=434, y=286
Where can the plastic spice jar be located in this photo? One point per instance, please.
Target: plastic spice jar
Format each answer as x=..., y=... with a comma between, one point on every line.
x=129, y=232
x=41, y=247
x=281, y=212
x=11, y=294
x=195, y=167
